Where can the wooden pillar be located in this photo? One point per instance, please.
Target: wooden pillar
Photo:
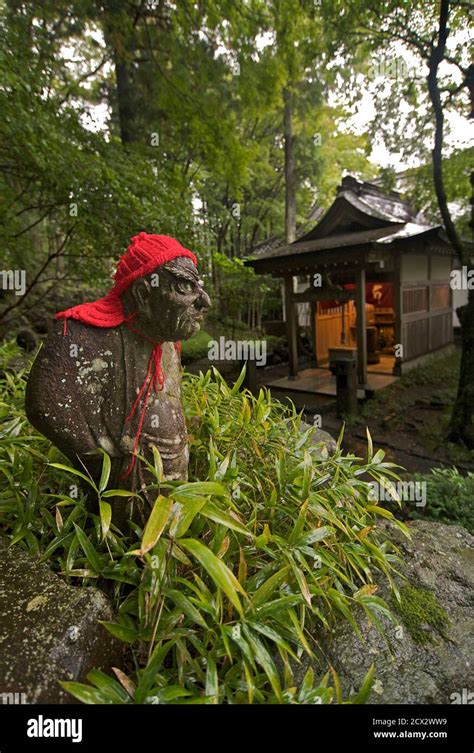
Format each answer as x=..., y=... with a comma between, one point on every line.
x=291, y=327
x=343, y=323
x=314, y=331
x=398, y=301
x=361, y=328
x=428, y=303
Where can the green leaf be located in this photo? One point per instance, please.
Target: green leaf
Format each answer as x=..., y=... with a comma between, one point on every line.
x=317, y=534
x=118, y=493
x=105, y=475
x=123, y=633
x=84, y=693
x=273, y=635
x=299, y=523
x=262, y=594
x=200, y=488
x=238, y=384
x=264, y=658
x=212, y=512
x=110, y=687
x=158, y=463
x=212, y=680
x=105, y=517
x=380, y=511
x=370, y=447
x=364, y=692
x=190, y=509
x=302, y=583
x=147, y=677
x=156, y=524
x=92, y=556
x=219, y=572
x=183, y=603
x=74, y=471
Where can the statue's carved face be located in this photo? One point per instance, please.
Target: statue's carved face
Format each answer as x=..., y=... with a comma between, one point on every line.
x=170, y=302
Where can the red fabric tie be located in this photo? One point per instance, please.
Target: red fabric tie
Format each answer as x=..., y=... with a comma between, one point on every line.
x=154, y=378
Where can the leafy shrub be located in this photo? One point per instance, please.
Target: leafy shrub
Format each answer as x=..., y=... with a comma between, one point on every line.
x=449, y=497
x=196, y=347
x=237, y=573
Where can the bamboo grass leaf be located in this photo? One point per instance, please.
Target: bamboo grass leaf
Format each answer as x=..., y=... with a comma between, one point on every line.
x=219, y=572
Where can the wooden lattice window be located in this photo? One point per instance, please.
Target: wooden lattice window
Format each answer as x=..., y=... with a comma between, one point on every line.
x=415, y=299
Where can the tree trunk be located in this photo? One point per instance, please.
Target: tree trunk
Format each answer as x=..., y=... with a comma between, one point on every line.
x=290, y=175
x=119, y=36
x=461, y=428
x=125, y=97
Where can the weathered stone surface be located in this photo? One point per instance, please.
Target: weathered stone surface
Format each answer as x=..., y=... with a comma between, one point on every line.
x=439, y=558
x=49, y=631
x=318, y=436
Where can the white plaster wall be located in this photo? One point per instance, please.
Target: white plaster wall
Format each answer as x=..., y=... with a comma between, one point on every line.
x=440, y=268
x=414, y=268
x=459, y=299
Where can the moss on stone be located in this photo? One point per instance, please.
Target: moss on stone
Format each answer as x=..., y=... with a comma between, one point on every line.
x=420, y=610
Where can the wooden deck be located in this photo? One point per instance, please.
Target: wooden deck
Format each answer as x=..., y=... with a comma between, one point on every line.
x=322, y=382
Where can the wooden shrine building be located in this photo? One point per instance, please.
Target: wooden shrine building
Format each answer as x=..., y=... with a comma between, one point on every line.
x=374, y=275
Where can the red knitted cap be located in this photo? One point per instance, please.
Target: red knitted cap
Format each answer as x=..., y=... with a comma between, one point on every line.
x=145, y=253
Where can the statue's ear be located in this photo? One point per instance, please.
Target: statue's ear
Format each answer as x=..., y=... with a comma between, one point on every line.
x=140, y=290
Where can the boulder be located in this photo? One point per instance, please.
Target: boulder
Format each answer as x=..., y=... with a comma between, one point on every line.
x=319, y=436
x=49, y=631
x=427, y=657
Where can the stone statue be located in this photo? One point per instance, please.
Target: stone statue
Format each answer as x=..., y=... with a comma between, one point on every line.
x=109, y=375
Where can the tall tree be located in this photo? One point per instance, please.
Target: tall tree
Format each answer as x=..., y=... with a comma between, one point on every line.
x=435, y=33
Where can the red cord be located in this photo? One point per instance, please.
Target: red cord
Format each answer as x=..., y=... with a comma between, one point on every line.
x=154, y=378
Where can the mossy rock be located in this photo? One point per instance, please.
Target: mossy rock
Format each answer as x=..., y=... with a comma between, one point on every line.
x=421, y=613
x=425, y=654
x=49, y=631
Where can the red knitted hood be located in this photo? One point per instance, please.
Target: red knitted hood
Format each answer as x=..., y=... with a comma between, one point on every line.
x=145, y=253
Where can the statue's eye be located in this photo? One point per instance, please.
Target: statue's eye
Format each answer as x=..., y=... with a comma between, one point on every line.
x=184, y=287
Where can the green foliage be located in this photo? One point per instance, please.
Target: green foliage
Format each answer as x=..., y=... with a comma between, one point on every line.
x=456, y=175
x=71, y=198
x=439, y=373
x=196, y=347
x=449, y=497
x=205, y=122
x=240, y=292
x=420, y=611
x=237, y=573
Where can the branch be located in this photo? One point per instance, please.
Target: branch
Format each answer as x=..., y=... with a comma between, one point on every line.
x=33, y=224
x=437, y=56
x=35, y=279
x=83, y=78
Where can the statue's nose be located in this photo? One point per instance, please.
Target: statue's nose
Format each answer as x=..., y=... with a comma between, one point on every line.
x=203, y=301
